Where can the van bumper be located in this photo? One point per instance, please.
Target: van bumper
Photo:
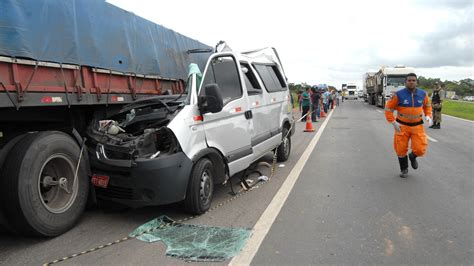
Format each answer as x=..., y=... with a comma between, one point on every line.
x=146, y=182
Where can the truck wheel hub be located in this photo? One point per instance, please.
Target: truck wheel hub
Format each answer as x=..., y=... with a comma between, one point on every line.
x=56, y=187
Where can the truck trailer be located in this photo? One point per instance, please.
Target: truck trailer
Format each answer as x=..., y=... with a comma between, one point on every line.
x=63, y=64
x=368, y=85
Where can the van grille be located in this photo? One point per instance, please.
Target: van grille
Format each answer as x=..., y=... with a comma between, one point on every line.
x=117, y=155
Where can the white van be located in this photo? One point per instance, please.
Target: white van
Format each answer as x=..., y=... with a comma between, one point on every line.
x=168, y=149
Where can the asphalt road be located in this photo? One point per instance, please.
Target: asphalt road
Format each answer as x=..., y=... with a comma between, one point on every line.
x=348, y=205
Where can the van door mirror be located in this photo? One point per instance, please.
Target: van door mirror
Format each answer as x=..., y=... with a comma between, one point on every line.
x=212, y=100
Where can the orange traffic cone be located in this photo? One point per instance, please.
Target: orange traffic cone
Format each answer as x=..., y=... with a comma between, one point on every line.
x=323, y=114
x=309, y=125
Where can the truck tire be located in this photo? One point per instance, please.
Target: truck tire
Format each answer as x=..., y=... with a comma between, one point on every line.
x=38, y=195
x=4, y=226
x=200, y=188
x=284, y=149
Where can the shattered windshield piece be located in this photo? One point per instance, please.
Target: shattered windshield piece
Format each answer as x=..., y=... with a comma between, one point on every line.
x=194, y=242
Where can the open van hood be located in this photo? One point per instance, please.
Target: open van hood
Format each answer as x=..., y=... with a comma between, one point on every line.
x=138, y=130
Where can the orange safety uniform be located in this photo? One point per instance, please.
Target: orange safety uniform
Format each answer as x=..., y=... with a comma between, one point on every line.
x=410, y=108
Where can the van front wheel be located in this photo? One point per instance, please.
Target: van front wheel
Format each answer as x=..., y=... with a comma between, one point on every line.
x=200, y=188
x=283, y=152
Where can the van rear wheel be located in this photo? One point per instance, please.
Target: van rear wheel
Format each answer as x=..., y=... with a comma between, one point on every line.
x=284, y=150
x=200, y=188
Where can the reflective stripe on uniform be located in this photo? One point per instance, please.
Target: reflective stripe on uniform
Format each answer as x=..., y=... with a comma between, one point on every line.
x=389, y=110
x=409, y=116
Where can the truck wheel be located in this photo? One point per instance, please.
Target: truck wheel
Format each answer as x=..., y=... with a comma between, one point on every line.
x=200, y=187
x=39, y=195
x=283, y=152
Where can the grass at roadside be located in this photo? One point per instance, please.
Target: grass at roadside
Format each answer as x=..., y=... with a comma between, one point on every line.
x=459, y=109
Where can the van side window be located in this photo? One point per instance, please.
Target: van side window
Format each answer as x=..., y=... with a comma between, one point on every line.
x=271, y=76
x=223, y=71
x=250, y=80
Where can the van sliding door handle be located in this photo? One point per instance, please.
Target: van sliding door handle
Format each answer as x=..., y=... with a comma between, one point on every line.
x=248, y=114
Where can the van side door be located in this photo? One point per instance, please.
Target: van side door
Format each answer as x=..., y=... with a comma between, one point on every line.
x=261, y=121
x=277, y=99
x=229, y=130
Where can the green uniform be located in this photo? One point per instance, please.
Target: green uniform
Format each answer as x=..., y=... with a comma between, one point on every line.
x=437, y=105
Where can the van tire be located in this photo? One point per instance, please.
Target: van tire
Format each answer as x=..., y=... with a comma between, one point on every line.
x=284, y=149
x=39, y=156
x=200, y=188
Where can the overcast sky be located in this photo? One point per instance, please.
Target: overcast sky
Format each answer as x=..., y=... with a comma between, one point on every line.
x=331, y=42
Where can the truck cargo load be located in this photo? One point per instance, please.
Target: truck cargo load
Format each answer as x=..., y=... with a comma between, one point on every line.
x=95, y=33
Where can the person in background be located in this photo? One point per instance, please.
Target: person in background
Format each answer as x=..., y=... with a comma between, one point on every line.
x=315, y=104
x=338, y=98
x=305, y=103
x=437, y=105
x=332, y=97
x=325, y=100
x=299, y=99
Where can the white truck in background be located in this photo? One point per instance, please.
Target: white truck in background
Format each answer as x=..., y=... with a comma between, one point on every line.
x=386, y=81
x=351, y=92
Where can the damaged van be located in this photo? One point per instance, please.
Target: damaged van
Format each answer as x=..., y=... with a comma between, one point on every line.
x=175, y=148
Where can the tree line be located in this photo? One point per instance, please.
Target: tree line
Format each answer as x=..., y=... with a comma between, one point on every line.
x=463, y=87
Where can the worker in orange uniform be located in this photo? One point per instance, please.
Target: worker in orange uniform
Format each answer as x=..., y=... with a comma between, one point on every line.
x=410, y=104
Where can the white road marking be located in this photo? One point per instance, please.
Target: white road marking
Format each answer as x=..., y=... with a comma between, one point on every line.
x=378, y=111
x=432, y=139
x=265, y=221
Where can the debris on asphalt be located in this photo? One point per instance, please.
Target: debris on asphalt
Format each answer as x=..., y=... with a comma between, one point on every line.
x=194, y=242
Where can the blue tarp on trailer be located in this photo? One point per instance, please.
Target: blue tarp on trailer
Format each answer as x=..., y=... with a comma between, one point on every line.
x=94, y=33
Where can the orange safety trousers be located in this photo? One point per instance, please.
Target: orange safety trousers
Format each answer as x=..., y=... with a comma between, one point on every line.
x=416, y=134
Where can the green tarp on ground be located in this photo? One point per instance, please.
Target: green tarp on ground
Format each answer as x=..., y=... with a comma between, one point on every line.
x=194, y=242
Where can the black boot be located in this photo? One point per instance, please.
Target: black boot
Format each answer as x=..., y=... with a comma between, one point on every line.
x=403, y=161
x=414, y=163
x=438, y=126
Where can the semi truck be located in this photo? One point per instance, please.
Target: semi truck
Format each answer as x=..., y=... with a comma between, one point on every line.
x=385, y=82
x=368, y=85
x=351, y=92
x=64, y=64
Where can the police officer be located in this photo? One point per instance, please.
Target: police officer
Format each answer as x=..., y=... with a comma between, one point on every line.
x=437, y=106
x=410, y=104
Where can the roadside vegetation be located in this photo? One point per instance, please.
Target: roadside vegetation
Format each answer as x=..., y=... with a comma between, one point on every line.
x=462, y=87
x=459, y=109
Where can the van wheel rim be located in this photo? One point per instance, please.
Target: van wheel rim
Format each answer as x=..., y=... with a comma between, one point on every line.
x=56, y=186
x=205, y=190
